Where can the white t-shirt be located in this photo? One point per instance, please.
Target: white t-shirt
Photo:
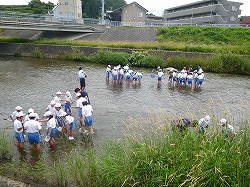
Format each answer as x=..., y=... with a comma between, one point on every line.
x=81, y=74
x=87, y=110
x=57, y=99
x=32, y=126
x=58, y=112
x=201, y=76
x=69, y=119
x=51, y=123
x=160, y=74
x=17, y=125
x=203, y=123
x=79, y=102
x=68, y=99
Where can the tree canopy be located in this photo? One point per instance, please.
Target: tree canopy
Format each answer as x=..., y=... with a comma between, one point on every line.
x=90, y=8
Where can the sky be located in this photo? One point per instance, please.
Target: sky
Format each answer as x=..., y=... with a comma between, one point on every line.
x=155, y=7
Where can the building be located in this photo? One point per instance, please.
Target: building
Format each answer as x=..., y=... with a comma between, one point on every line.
x=68, y=10
x=245, y=21
x=131, y=14
x=204, y=12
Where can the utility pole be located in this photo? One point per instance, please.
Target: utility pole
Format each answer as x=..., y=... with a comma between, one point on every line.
x=102, y=21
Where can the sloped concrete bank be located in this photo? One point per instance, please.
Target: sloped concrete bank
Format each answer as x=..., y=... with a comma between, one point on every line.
x=53, y=51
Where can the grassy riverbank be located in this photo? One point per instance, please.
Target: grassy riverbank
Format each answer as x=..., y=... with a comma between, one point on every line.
x=230, y=46
x=151, y=153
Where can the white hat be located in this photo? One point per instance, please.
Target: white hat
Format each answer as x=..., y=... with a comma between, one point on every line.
x=109, y=66
x=58, y=93
x=52, y=102
x=78, y=94
x=31, y=110
x=58, y=105
x=19, y=114
x=18, y=108
x=68, y=93
x=48, y=113
x=207, y=118
x=63, y=114
x=32, y=115
x=223, y=121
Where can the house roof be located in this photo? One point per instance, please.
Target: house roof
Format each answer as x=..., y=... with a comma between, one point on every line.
x=245, y=20
x=121, y=8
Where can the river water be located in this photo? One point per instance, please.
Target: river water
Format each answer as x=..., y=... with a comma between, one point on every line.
x=32, y=83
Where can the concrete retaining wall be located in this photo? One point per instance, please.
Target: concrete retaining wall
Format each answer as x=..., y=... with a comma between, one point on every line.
x=53, y=51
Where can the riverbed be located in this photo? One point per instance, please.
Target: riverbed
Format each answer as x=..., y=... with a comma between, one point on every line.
x=32, y=83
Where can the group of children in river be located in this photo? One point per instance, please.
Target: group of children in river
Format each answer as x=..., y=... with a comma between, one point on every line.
x=57, y=119
x=184, y=78
x=120, y=74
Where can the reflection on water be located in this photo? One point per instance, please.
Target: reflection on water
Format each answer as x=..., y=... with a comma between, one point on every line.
x=31, y=83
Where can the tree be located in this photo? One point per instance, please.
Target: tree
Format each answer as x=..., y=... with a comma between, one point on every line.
x=92, y=8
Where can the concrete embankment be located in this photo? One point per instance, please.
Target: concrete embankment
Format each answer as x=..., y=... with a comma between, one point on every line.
x=111, y=34
x=53, y=51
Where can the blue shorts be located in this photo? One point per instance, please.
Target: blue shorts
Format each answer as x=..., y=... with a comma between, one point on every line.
x=134, y=78
x=19, y=136
x=174, y=79
x=139, y=77
x=52, y=133
x=59, y=121
x=159, y=78
x=121, y=76
x=180, y=79
x=115, y=77
x=128, y=77
x=79, y=112
x=200, y=81
x=107, y=74
x=34, y=138
x=67, y=107
x=190, y=81
x=73, y=125
x=88, y=121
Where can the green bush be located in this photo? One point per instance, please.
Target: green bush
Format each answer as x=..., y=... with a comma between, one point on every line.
x=109, y=57
x=38, y=53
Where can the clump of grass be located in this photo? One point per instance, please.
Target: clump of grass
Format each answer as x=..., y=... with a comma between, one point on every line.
x=161, y=157
x=5, y=148
x=38, y=53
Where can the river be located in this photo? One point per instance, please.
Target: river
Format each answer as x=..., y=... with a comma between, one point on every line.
x=32, y=83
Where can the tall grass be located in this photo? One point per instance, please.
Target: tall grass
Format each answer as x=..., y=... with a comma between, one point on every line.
x=5, y=147
x=151, y=153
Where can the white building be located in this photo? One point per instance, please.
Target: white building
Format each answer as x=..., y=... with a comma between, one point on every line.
x=68, y=11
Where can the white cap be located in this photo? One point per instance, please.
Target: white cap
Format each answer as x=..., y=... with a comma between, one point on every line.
x=63, y=114
x=32, y=115
x=109, y=66
x=58, y=105
x=31, y=110
x=78, y=94
x=52, y=102
x=223, y=121
x=58, y=93
x=18, y=108
x=48, y=113
x=68, y=93
x=207, y=118
x=19, y=114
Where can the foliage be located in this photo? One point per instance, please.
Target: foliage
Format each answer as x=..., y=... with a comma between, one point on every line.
x=34, y=7
x=109, y=57
x=91, y=8
x=38, y=53
x=206, y=35
x=5, y=148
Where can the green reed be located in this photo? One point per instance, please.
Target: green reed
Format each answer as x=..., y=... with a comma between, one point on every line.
x=5, y=147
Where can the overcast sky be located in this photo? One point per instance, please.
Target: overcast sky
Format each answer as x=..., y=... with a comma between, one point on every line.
x=153, y=6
